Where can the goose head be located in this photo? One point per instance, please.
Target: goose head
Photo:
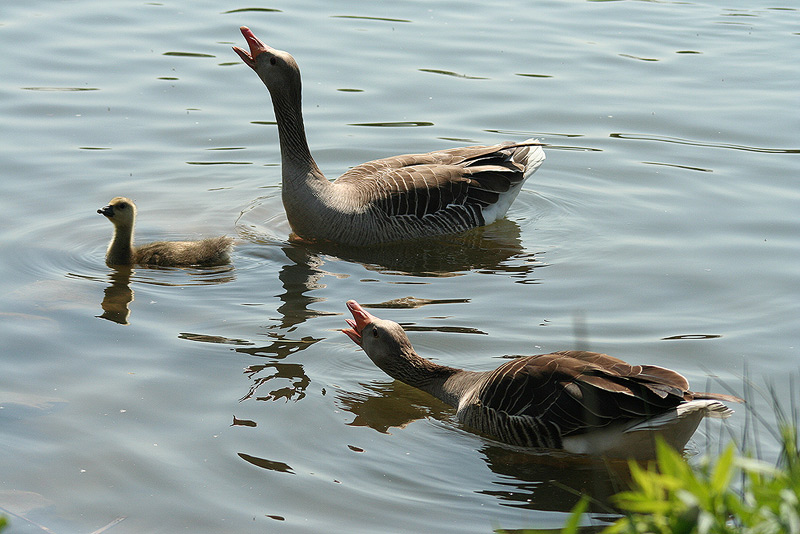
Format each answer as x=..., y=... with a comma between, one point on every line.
x=276, y=68
x=385, y=342
x=121, y=211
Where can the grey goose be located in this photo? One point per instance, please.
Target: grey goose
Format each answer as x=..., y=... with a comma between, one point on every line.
x=578, y=401
x=386, y=200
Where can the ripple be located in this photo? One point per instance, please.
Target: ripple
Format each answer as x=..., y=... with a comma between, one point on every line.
x=692, y=142
x=252, y=9
x=398, y=124
x=453, y=74
x=687, y=167
x=413, y=302
x=67, y=89
x=361, y=17
x=187, y=54
x=639, y=58
x=691, y=336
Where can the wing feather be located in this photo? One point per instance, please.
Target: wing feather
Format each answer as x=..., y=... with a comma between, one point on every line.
x=573, y=392
x=422, y=185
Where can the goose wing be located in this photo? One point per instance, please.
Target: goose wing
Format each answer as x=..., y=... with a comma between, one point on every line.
x=462, y=181
x=537, y=400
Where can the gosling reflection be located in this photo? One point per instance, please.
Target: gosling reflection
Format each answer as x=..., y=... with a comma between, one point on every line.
x=117, y=296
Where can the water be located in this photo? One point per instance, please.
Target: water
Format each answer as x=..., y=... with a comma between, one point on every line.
x=663, y=228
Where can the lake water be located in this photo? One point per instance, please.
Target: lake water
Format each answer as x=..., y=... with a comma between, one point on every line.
x=663, y=228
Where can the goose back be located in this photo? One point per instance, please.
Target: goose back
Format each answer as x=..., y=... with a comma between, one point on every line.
x=539, y=400
x=419, y=195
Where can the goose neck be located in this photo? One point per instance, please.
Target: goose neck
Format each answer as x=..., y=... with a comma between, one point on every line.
x=428, y=376
x=296, y=160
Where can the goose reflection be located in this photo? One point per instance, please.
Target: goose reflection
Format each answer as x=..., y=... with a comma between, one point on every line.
x=496, y=248
x=288, y=380
x=553, y=480
x=491, y=249
x=538, y=480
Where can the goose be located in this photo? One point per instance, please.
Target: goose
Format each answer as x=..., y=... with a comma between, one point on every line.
x=581, y=402
x=392, y=199
x=121, y=212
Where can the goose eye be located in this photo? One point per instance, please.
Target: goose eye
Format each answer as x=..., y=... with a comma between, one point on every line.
x=272, y=61
x=122, y=206
x=374, y=332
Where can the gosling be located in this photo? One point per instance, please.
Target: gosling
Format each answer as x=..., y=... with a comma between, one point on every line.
x=121, y=212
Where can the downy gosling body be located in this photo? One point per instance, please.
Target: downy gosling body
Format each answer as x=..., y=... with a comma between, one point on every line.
x=121, y=212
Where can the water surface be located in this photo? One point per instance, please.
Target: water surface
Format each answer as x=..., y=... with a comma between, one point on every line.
x=663, y=228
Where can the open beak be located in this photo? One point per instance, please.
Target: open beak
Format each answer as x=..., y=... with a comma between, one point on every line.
x=108, y=211
x=256, y=47
x=361, y=318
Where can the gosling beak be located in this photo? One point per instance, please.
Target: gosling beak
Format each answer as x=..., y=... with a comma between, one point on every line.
x=107, y=210
x=361, y=318
x=256, y=47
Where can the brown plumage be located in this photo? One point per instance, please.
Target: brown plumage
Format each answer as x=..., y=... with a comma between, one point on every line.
x=580, y=401
x=121, y=212
x=391, y=199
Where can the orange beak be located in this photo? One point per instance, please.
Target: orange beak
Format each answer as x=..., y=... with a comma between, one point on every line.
x=361, y=318
x=256, y=47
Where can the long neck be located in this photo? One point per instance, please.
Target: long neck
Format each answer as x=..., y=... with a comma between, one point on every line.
x=120, y=250
x=296, y=161
x=447, y=384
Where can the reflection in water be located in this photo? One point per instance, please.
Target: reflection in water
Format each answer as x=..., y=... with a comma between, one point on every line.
x=491, y=249
x=243, y=422
x=261, y=374
x=118, y=295
x=282, y=347
x=541, y=480
x=496, y=248
x=263, y=463
x=553, y=480
x=299, y=277
x=220, y=340
x=292, y=372
x=412, y=303
x=384, y=405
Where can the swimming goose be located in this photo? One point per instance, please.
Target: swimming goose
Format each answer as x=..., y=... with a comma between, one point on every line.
x=391, y=199
x=582, y=402
x=121, y=212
